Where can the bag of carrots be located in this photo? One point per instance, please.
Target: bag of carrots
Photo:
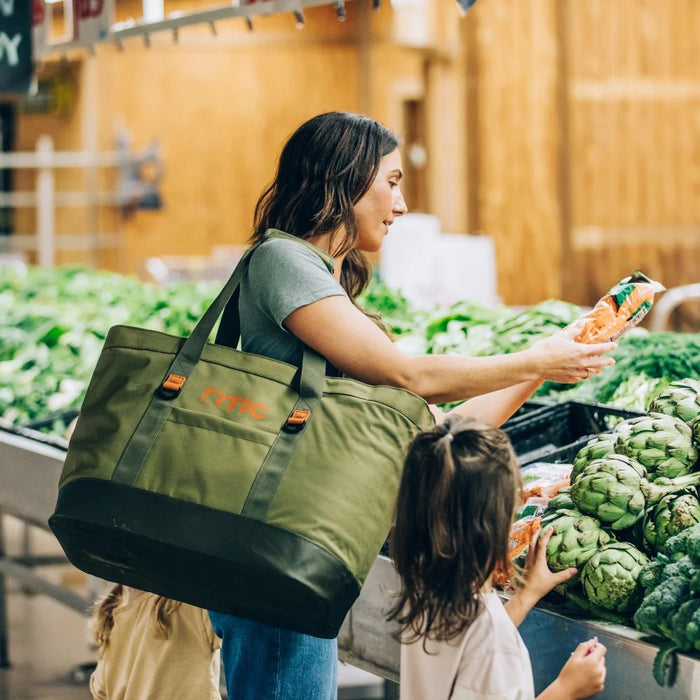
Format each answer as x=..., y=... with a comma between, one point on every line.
x=622, y=308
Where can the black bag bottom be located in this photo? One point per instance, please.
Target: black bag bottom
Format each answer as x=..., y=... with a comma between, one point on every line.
x=205, y=557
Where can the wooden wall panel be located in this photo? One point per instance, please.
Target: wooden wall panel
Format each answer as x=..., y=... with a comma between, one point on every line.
x=220, y=124
x=518, y=150
x=568, y=131
x=634, y=150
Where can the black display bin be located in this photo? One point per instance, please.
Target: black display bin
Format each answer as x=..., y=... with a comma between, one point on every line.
x=556, y=432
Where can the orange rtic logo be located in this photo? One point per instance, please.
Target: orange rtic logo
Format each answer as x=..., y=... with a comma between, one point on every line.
x=228, y=403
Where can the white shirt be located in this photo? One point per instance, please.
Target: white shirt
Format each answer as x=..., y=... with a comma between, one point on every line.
x=489, y=661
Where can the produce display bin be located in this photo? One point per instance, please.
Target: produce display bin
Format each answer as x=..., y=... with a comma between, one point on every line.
x=62, y=419
x=31, y=462
x=30, y=466
x=556, y=432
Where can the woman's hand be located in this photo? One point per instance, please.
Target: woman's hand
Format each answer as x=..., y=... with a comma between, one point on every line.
x=561, y=359
x=583, y=674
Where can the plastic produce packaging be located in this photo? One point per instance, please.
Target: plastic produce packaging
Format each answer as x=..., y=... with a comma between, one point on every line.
x=621, y=309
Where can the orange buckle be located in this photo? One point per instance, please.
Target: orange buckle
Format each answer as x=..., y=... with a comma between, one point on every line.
x=297, y=419
x=174, y=382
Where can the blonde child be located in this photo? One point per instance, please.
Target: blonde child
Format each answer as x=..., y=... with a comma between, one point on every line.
x=458, y=495
x=153, y=648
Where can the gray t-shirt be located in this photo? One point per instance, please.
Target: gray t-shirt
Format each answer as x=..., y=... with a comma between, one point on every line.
x=283, y=275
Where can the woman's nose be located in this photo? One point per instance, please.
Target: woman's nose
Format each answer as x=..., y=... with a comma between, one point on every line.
x=400, y=206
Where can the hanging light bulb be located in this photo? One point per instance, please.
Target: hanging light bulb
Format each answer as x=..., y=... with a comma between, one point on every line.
x=299, y=17
x=340, y=10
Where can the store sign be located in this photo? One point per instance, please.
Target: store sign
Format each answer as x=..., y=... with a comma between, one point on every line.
x=15, y=46
x=91, y=20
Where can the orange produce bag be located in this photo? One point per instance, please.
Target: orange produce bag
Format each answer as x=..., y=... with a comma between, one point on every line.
x=622, y=308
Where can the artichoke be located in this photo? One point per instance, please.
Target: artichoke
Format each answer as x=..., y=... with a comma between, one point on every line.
x=672, y=514
x=695, y=428
x=576, y=538
x=600, y=446
x=680, y=399
x=610, y=577
x=561, y=501
x=663, y=444
x=614, y=489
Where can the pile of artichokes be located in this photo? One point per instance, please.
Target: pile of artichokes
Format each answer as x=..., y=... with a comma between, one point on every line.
x=631, y=490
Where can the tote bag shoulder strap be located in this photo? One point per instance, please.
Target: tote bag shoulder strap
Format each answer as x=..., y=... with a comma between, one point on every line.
x=229, y=331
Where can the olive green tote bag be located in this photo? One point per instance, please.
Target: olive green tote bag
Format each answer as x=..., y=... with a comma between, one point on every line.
x=231, y=481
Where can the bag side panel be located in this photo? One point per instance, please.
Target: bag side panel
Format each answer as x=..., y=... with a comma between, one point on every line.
x=120, y=390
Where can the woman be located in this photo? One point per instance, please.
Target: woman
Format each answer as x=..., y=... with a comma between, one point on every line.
x=336, y=193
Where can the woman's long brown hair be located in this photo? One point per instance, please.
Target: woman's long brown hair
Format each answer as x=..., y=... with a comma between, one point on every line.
x=103, y=622
x=454, y=511
x=325, y=167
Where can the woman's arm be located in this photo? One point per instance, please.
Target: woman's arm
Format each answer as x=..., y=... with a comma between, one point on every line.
x=350, y=341
x=494, y=408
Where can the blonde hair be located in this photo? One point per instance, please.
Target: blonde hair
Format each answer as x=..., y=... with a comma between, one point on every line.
x=103, y=619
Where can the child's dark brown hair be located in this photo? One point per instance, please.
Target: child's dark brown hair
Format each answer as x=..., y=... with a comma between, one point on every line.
x=103, y=622
x=455, y=506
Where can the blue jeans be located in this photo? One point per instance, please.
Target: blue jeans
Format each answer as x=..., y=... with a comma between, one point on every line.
x=268, y=663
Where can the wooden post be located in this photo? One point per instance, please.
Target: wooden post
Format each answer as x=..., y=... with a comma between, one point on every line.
x=45, y=203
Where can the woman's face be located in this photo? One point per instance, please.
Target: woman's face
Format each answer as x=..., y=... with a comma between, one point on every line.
x=380, y=205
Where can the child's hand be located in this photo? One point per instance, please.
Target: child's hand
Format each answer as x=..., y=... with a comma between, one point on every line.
x=539, y=580
x=583, y=674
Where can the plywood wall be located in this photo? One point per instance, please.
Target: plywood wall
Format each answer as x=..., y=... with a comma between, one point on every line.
x=517, y=169
x=633, y=100
x=584, y=142
x=568, y=131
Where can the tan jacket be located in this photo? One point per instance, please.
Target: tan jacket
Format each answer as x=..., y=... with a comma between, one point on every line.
x=138, y=665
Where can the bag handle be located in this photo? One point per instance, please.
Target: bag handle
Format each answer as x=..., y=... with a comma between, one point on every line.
x=312, y=377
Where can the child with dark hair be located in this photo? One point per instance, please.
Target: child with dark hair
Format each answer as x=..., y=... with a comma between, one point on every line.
x=153, y=648
x=459, y=492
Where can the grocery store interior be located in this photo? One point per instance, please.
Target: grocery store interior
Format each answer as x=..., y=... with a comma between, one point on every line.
x=551, y=151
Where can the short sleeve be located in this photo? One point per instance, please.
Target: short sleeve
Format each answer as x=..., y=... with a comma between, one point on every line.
x=285, y=275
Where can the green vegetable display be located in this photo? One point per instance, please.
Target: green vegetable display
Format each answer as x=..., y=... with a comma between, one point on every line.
x=54, y=322
x=671, y=603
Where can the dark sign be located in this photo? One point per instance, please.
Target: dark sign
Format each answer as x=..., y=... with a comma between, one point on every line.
x=15, y=46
